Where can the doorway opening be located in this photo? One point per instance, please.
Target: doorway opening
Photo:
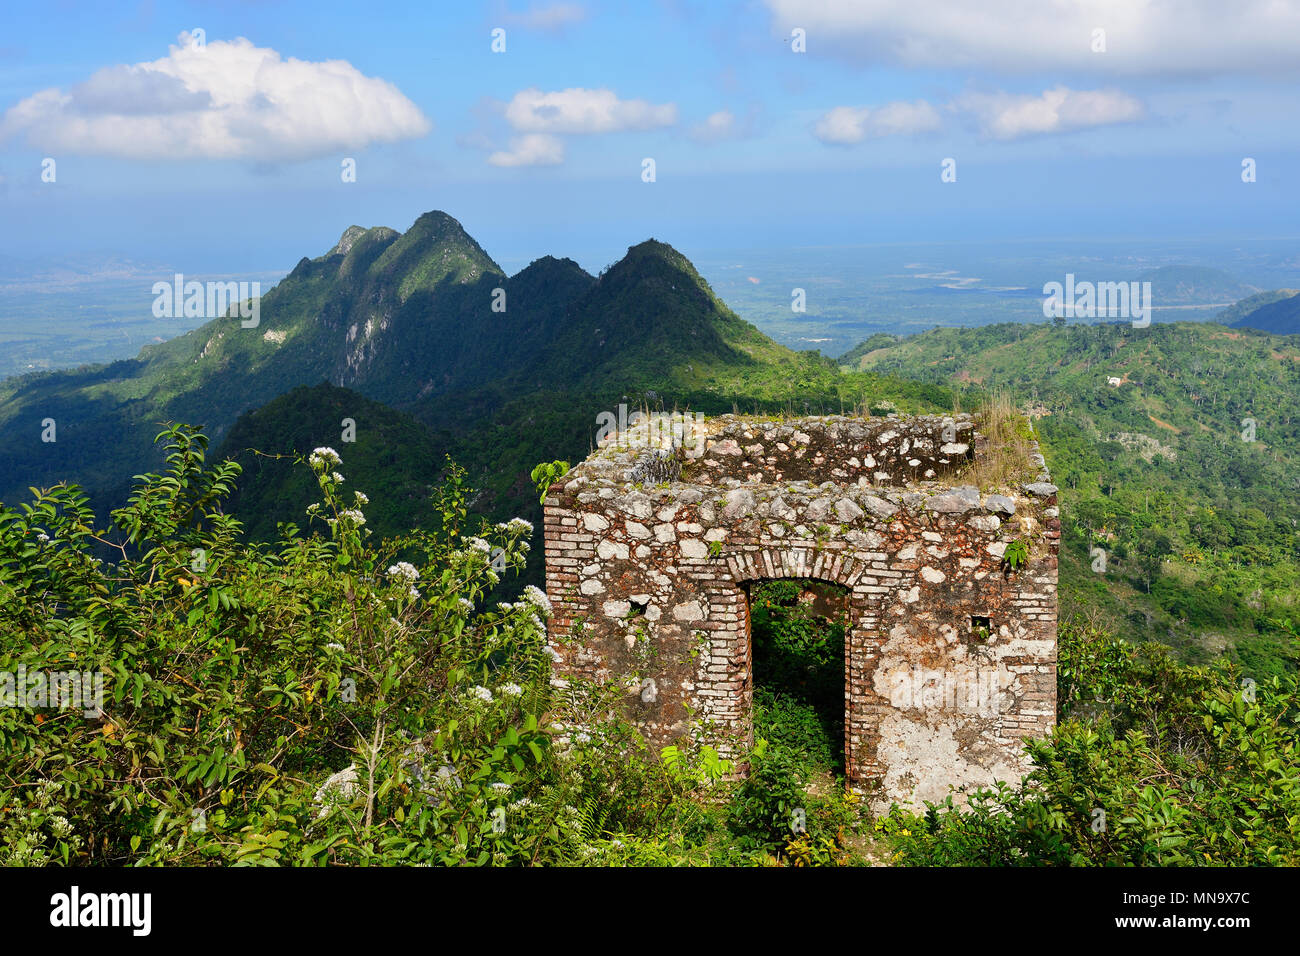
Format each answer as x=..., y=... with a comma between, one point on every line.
x=798, y=630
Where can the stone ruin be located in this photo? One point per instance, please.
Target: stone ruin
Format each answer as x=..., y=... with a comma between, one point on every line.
x=950, y=660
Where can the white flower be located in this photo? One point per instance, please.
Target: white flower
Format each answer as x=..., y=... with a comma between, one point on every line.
x=536, y=596
x=361, y=498
x=313, y=509
x=478, y=544
x=500, y=787
x=324, y=456
x=353, y=515
x=466, y=606
x=519, y=525
x=42, y=537
x=337, y=477
x=481, y=693
x=552, y=654
x=581, y=738
x=512, y=690
x=405, y=571
x=414, y=592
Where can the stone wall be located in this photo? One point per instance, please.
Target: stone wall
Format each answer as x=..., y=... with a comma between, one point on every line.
x=951, y=653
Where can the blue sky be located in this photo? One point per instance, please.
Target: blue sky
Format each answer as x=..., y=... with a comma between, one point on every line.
x=225, y=154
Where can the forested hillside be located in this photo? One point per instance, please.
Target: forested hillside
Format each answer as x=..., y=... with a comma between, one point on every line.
x=395, y=461
x=1278, y=312
x=1177, y=447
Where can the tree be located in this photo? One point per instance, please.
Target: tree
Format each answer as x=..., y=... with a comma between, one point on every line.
x=1149, y=551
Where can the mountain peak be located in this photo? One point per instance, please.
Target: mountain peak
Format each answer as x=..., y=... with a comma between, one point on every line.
x=652, y=253
x=551, y=266
x=350, y=235
x=653, y=247
x=437, y=224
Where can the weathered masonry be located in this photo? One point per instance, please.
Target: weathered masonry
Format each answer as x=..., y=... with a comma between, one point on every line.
x=951, y=652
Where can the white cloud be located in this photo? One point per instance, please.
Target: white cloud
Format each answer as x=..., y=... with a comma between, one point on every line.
x=722, y=125
x=852, y=124
x=580, y=110
x=540, y=118
x=1058, y=110
x=225, y=100
x=532, y=149
x=1201, y=37
x=550, y=16
x=716, y=127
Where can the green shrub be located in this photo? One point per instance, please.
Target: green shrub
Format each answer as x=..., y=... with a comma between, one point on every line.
x=770, y=805
x=796, y=728
x=237, y=678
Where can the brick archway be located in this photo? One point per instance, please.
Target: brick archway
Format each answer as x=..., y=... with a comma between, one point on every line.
x=648, y=586
x=810, y=564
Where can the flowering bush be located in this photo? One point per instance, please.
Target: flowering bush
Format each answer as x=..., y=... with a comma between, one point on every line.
x=319, y=700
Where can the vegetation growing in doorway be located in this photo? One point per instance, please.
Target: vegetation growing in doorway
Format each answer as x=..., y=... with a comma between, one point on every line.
x=799, y=629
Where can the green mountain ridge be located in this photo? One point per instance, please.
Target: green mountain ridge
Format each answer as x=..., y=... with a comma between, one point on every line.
x=511, y=368
x=1242, y=308
x=397, y=317
x=1277, y=312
